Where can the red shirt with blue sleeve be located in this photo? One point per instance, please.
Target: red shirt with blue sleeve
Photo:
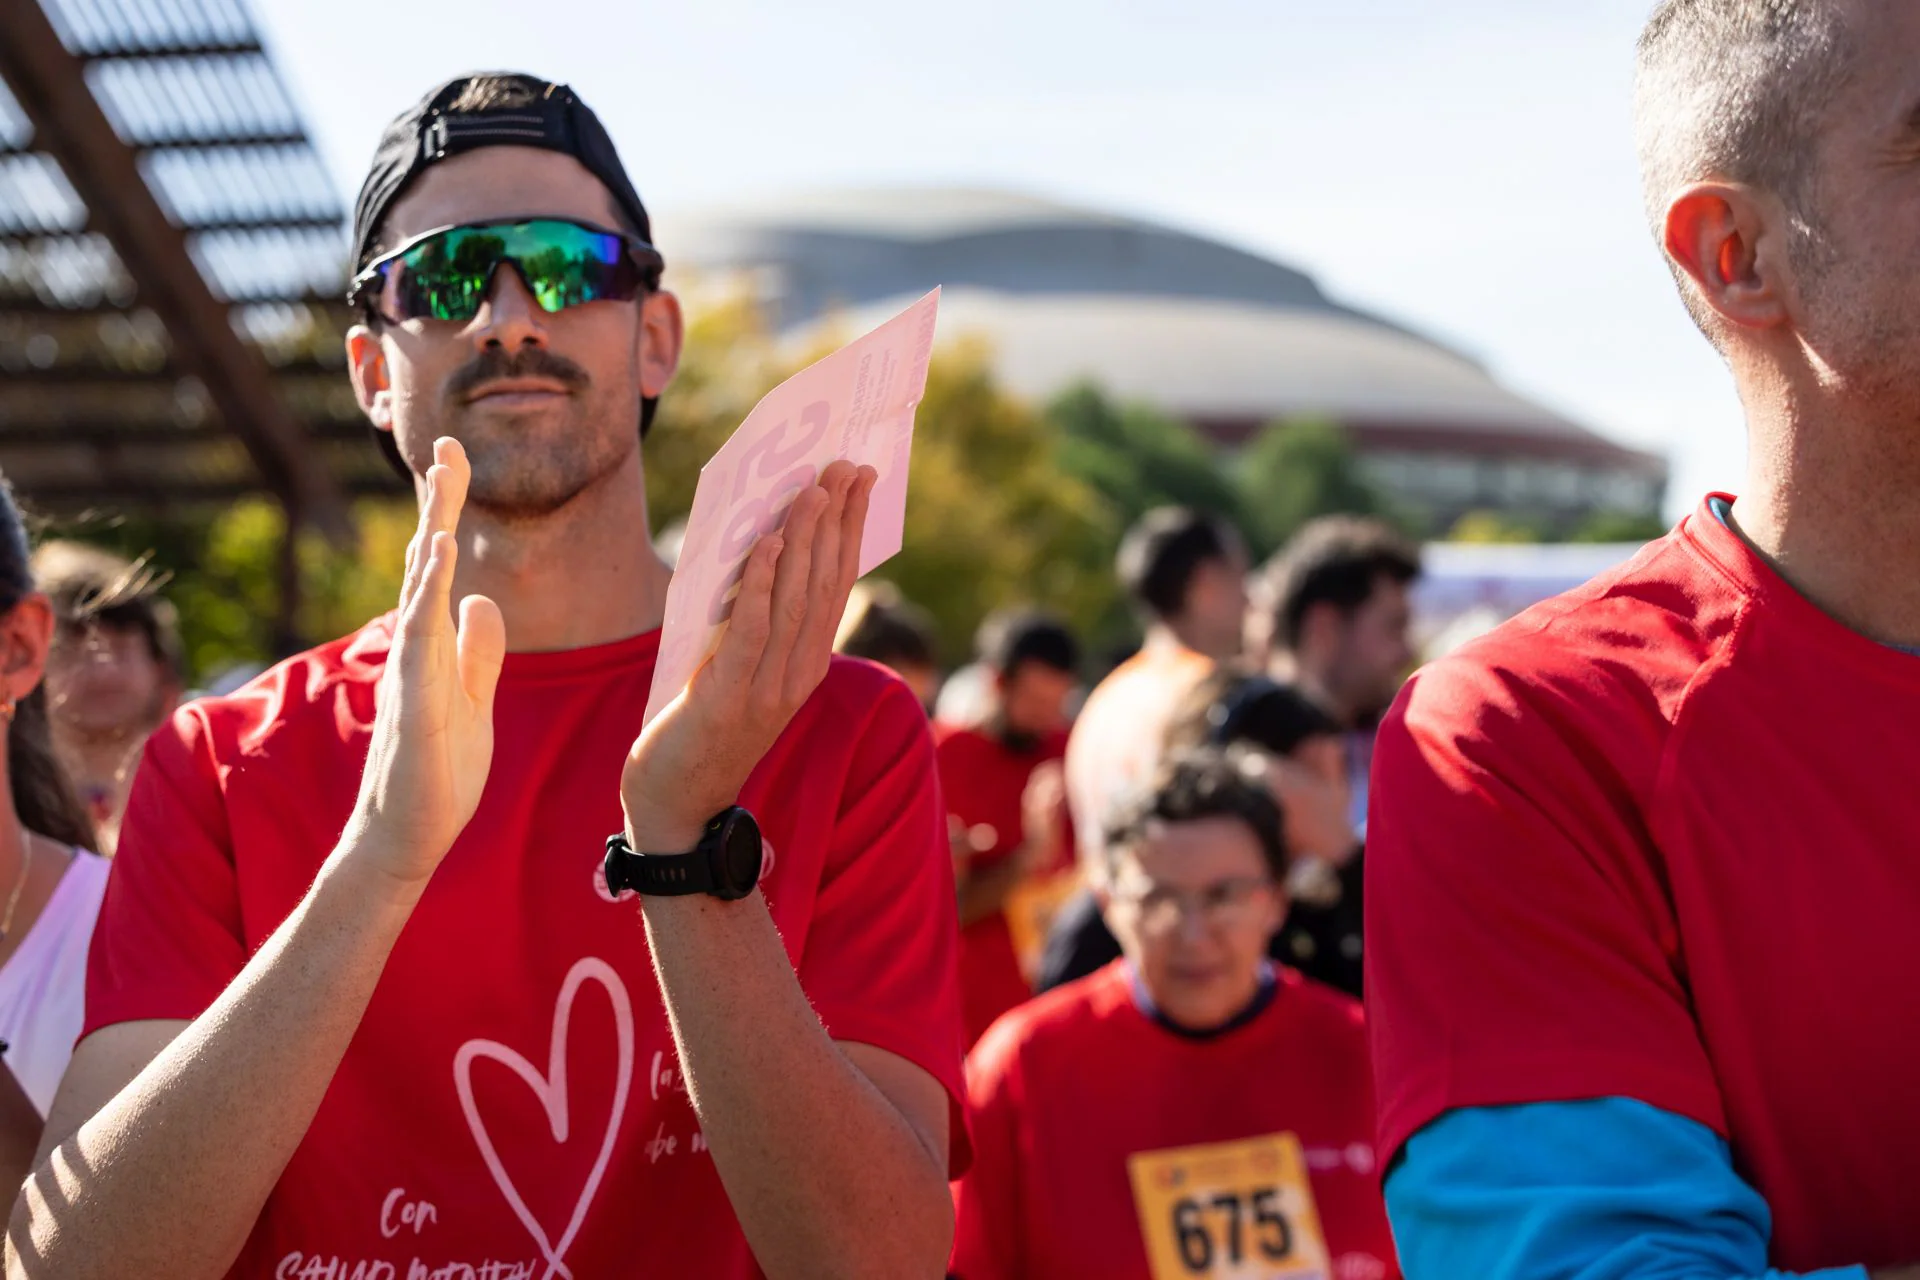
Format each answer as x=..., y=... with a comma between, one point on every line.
x=1656, y=840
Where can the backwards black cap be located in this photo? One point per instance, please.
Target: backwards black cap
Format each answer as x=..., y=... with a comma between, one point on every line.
x=553, y=118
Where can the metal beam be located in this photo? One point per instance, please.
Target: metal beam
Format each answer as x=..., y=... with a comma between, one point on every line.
x=27, y=305
x=80, y=374
x=270, y=222
x=49, y=84
x=147, y=495
x=193, y=142
x=211, y=49
x=98, y=433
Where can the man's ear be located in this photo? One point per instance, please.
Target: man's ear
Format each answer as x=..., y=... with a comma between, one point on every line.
x=662, y=334
x=1730, y=242
x=367, y=367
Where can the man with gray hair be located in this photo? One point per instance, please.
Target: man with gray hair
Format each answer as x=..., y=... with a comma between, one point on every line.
x=1639, y=982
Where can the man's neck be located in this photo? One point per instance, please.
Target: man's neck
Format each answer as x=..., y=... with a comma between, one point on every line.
x=1165, y=637
x=1830, y=504
x=586, y=574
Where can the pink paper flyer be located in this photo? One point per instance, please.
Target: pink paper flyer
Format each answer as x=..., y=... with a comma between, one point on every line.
x=858, y=404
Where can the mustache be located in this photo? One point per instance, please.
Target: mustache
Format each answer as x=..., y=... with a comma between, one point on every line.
x=529, y=362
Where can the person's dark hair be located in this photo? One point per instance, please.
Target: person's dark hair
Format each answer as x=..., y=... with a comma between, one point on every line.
x=1336, y=560
x=43, y=796
x=1736, y=90
x=1164, y=549
x=1231, y=706
x=1206, y=782
x=93, y=587
x=881, y=626
x=1015, y=636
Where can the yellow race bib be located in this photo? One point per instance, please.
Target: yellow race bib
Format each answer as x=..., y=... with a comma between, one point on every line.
x=1030, y=910
x=1229, y=1211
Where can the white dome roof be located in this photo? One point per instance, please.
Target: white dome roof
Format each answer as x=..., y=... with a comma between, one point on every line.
x=1212, y=360
x=1062, y=295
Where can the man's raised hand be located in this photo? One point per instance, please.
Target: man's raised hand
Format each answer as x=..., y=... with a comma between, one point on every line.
x=433, y=733
x=691, y=762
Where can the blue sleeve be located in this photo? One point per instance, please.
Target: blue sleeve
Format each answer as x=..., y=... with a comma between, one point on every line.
x=1611, y=1189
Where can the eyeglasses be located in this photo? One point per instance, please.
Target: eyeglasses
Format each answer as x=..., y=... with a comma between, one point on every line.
x=1220, y=905
x=446, y=273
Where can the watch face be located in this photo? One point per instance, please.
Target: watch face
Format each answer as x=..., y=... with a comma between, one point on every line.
x=740, y=854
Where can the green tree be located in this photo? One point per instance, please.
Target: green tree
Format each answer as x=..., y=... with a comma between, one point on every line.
x=1137, y=458
x=1297, y=470
x=223, y=568
x=1619, y=526
x=992, y=520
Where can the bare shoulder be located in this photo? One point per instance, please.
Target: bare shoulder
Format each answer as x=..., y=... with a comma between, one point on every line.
x=103, y=1064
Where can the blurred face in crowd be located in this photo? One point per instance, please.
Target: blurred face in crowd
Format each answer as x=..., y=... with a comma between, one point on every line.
x=1034, y=699
x=1194, y=906
x=1216, y=605
x=546, y=404
x=107, y=680
x=1360, y=657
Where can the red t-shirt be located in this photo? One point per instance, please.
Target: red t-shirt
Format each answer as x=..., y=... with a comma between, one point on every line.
x=985, y=783
x=511, y=1099
x=1068, y=1086
x=1657, y=839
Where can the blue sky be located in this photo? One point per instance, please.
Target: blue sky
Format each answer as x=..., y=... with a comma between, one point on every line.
x=1466, y=169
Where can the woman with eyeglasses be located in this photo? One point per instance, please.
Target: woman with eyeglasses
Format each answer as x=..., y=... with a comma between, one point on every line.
x=1192, y=1109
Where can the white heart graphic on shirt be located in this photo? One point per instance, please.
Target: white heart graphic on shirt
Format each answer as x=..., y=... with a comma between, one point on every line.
x=551, y=1089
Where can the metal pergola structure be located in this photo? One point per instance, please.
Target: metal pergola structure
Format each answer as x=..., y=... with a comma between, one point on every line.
x=171, y=270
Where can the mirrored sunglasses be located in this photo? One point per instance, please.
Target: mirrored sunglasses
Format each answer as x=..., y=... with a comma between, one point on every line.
x=445, y=274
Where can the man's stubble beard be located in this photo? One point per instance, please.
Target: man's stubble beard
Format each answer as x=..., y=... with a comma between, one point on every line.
x=527, y=473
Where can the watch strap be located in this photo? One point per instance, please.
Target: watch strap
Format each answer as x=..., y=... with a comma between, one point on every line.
x=658, y=875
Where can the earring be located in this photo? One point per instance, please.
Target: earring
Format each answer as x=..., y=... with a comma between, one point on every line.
x=6, y=709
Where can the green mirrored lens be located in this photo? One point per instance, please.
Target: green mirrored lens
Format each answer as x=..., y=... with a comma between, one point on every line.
x=447, y=276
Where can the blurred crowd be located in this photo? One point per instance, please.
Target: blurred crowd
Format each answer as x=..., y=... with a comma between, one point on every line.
x=1184, y=839
x=1296, y=659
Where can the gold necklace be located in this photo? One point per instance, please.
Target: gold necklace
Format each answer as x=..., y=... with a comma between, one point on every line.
x=13, y=899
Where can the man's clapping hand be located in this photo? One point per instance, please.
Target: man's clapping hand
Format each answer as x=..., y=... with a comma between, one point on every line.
x=691, y=762
x=433, y=733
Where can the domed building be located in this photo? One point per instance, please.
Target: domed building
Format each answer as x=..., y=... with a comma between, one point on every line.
x=1223, y=338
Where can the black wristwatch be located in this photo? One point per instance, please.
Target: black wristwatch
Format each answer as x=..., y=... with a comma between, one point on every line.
x=726, y=862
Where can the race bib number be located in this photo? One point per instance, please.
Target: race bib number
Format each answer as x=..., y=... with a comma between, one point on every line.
x=1229, y=1211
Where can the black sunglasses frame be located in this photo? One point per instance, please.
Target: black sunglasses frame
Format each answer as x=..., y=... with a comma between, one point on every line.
x=364, y=288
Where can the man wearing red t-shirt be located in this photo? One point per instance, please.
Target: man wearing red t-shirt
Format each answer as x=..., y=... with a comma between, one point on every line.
x=1190, y=1110
x=361, y=1003
x=1641, y=864
x=1004, y=798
